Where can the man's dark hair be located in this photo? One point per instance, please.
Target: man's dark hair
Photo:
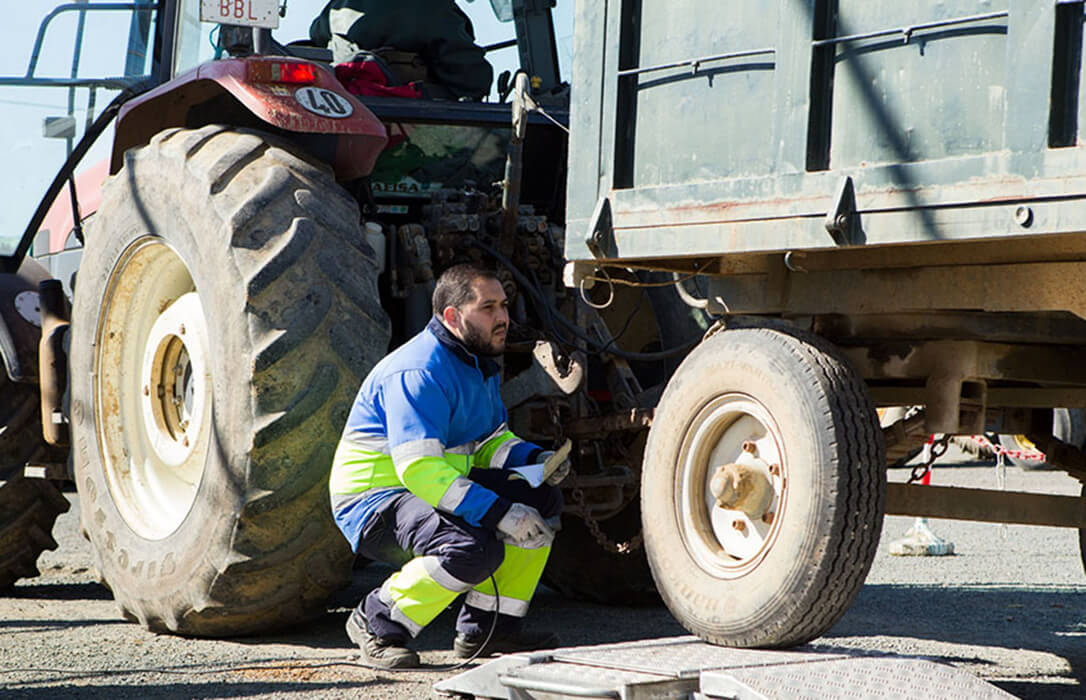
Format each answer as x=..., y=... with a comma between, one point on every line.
x=454, y=285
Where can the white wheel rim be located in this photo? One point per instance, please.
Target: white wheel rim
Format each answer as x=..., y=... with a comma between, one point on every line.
x=152, y=388
x=726, y=542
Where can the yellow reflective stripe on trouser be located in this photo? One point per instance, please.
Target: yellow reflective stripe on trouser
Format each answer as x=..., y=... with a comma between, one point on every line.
x=517, y=578
x=414, y=596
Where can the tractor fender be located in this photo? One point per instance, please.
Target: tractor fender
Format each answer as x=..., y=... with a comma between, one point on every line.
x=349, y=137
x=20, y=321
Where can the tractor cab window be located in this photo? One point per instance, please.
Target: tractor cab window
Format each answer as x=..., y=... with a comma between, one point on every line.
x=63, y=62
x=197, y=42
x=492, y=22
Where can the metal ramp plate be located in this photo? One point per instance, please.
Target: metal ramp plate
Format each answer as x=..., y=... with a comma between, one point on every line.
x=677, y=668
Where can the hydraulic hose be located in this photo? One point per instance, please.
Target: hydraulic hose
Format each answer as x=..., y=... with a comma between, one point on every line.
x=545, y=308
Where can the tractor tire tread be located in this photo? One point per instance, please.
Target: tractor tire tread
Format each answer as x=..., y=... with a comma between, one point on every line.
x=268, y=239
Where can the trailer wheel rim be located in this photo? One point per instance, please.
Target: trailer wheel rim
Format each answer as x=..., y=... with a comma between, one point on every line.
x=153, y=388
x=724, y=542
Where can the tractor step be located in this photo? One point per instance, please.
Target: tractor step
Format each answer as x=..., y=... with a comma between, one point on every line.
x=678, y=668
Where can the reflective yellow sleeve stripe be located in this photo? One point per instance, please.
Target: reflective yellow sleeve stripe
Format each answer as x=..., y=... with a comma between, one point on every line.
x=427, y=477
x=494, y=452
x=355, y=470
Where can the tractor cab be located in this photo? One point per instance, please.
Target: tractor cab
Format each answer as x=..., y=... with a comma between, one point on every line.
x=86, y=59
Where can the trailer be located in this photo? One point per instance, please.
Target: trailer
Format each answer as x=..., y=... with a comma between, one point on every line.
x=879, y=204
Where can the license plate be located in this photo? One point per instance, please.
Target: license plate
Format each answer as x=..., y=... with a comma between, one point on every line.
x=243, y=13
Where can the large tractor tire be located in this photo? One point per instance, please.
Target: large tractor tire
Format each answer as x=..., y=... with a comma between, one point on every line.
x=227, y=310
x=791, y=411
x=28, y=507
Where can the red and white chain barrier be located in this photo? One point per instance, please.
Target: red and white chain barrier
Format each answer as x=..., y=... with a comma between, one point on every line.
x=1024, y=455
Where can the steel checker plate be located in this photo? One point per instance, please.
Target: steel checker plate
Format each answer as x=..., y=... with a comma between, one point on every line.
x=857, y=677
x=740, y=674
x=682, y=657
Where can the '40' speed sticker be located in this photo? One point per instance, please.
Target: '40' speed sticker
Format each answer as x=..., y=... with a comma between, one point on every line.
x=323, y=102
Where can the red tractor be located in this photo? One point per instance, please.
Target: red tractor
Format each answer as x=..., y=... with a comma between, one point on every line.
x=263, y=235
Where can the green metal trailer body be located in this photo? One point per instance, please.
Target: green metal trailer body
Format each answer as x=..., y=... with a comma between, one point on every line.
x=881, y=204
x=724, y=129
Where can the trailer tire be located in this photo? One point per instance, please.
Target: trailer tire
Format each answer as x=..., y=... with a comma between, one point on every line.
x=227, y=310
x=816, y=438
x=28, y=507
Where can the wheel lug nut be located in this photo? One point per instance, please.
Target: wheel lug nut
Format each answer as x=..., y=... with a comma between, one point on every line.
x=146, y=390
x=767, y=518
x=185, y=441
x=775, y=469
x=182, y=329
x=750, y=447
x=739, y=525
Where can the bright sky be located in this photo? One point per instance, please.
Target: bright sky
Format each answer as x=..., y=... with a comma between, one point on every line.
x=31, y=161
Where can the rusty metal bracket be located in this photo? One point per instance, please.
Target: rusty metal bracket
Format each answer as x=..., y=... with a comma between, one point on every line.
x=601, y=233
x=596, y=497
x=602, y=426
x=843, y=220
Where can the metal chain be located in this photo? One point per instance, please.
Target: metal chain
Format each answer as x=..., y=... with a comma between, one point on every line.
x=938, y=449
x=628, y=547
x=577, y=493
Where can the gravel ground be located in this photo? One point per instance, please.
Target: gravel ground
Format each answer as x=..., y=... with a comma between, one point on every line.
x=1008, y=607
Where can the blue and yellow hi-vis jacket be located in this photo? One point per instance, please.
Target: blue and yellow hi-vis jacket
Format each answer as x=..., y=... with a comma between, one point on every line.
x=427, y=413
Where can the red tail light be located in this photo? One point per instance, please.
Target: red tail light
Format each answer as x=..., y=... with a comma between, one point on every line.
x=281, y=72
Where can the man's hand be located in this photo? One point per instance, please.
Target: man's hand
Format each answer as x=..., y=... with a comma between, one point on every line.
x=560, y=472
x=556, y=464
x=523, y=526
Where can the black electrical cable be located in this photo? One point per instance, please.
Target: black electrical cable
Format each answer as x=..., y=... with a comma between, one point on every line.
x=544, y=307
x=442, y=669
x=548, y=315
x=625, y=326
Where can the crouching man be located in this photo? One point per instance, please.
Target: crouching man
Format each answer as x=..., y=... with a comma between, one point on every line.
x=420, y=480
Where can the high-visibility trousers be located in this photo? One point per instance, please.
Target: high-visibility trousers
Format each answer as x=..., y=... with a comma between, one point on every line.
x=442, y=557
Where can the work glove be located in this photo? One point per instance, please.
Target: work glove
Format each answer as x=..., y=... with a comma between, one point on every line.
x=524, y=527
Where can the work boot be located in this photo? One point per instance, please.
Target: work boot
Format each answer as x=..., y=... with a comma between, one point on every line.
x=465, y=646
x=378, y=652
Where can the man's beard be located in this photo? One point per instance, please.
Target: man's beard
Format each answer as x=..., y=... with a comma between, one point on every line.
x=480, y=342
